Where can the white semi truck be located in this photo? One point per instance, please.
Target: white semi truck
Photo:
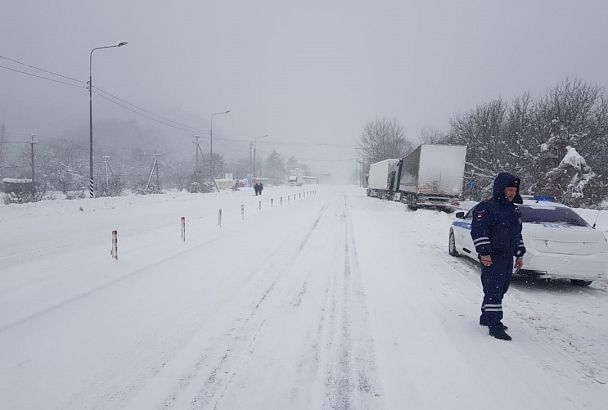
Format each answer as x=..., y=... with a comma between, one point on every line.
x=431, y=176
x=379, y=178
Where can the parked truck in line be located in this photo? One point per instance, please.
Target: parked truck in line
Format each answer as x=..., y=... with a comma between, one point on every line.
x=379, y=180
x=431, y=176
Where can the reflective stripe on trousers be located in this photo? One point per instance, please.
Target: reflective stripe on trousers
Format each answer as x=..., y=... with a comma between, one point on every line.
x=495, y=280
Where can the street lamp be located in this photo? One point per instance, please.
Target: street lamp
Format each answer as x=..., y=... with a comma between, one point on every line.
x=255, y=140
x=211, y=144
x=123, y=43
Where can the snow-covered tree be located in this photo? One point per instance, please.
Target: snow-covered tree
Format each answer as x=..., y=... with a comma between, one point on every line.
x=528, y=138
x=568, y=180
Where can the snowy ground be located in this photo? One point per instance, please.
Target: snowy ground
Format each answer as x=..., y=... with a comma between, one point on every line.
x=334, y=300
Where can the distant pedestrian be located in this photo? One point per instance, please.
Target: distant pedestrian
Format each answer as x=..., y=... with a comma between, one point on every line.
x=260, y=188
x=496, y=233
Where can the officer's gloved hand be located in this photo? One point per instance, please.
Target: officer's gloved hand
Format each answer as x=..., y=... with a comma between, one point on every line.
x=519, y=263
x=486, y=260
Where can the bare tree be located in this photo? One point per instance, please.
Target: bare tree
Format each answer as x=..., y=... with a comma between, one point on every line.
x=432, y=136
x=275, y=166
x=382, y=139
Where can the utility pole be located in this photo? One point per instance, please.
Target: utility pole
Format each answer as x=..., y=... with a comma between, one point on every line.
x=255, y=143
x=105, y=158
x=154, y=168
x=198, y=148
x=211, y=145
x=91, y=184
x=157, y=177
x=254, y=146
x=32, y=143
x=251, y=162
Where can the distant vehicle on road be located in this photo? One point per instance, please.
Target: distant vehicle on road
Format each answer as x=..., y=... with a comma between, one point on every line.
x=294, y=180
x=559, y=243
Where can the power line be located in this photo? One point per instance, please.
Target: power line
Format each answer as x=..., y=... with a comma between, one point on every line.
x=163, y=122
x=312, y=144
x=150, y=112
x=43, y=77
x=108, y=96
x=15, y=142
x=42, y=69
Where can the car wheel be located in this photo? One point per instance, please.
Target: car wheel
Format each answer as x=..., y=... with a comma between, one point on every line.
x=580, y=282
x=452, y=245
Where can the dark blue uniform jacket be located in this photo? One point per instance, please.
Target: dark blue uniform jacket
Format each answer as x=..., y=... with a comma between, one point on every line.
x=496, y=227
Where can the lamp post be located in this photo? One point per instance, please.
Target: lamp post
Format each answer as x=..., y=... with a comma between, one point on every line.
x=255, y=140
x=211, y=143
x=91, y=185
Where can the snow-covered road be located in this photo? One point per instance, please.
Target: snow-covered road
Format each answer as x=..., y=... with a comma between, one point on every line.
x=333, y=300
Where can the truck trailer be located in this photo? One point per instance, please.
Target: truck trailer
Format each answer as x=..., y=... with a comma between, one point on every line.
x=381, y=178
x=431, y=176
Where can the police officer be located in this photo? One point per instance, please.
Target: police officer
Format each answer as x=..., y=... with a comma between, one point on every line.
x=496, y=233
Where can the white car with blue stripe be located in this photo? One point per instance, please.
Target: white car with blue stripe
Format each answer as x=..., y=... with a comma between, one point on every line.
x=559, y=243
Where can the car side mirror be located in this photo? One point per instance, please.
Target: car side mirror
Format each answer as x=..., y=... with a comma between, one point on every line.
x=460, y=215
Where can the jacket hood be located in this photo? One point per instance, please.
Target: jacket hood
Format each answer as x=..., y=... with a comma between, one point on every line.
x=502, y=181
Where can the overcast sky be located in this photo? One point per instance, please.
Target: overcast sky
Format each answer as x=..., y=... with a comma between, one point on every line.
x=306, y=72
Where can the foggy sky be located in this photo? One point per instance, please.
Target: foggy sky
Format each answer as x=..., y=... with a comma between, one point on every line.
x=306, y=73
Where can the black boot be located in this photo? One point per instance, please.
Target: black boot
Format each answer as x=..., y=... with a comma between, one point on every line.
x=499, y=332
x=505, y=327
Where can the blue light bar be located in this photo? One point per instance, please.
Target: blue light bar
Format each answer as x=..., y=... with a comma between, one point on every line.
x=548, y=198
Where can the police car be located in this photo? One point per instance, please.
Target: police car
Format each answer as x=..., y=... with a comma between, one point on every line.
x=559, y=243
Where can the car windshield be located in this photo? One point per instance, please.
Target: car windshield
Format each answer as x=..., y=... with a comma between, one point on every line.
x=551, y=215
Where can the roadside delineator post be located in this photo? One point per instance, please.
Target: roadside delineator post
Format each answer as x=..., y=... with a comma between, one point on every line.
x=219, y=218
x=183, y=229
x=114, y=251
x=242, y=211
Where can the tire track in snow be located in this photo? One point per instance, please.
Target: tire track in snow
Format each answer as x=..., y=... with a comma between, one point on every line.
x=124, y=393
x=351, y=380
x=243, y=333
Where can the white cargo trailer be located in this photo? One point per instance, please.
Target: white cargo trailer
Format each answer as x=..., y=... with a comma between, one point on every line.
x=431, y=176
x=381, y=177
